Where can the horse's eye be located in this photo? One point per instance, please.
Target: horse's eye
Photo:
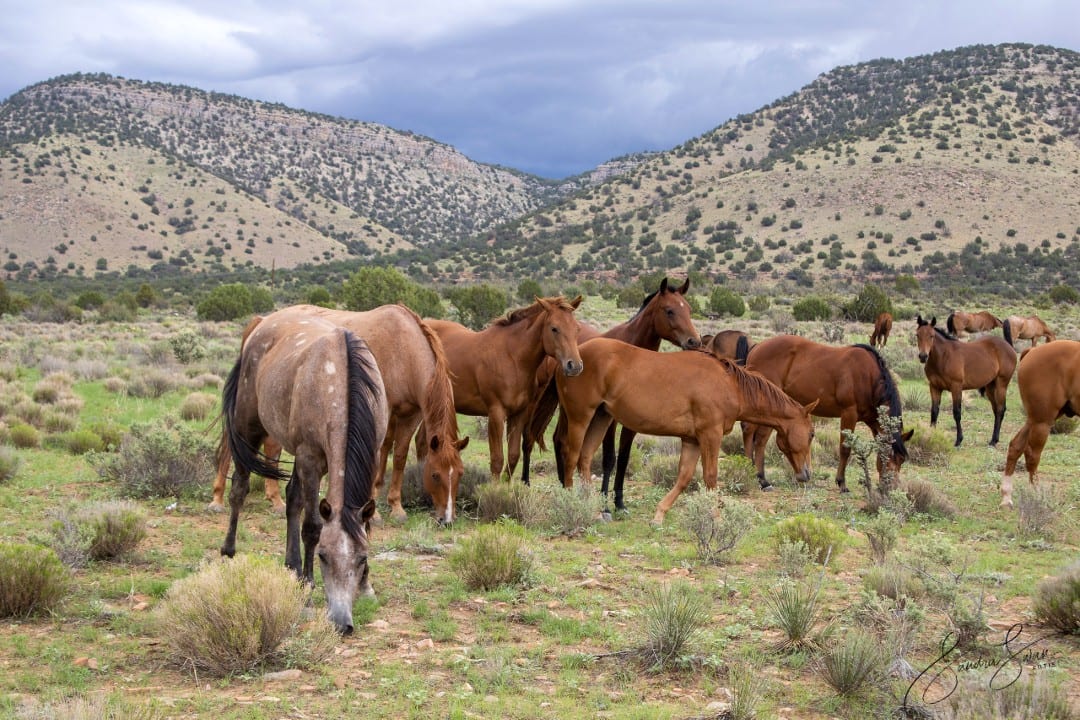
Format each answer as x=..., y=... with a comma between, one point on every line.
x=361, y=561
x=322, y=556
x=555, y=330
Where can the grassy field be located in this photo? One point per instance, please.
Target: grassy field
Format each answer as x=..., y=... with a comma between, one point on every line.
x=557, y=646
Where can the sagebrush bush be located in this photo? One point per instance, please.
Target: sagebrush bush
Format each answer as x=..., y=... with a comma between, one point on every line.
x=151, y=384
x=116, y=385
x=573, y=510
x=187, y=346
x=793, y=556
x=853, y=662
x=158, y=460
x=821, y=536
x=91, y=707
x=413, y=494
x=673, y=614
x=882, y=531
x=237, y=616
x=82, y=441
x=715, y=525
x=664, y=469
x=22, y=435
x=9, y=464
x=1033, y=697
x=1057, y=600
x=494, y=556
x=1064, y=425
x=33, y=581
x=198, y=406
x=115, y=528
x=495, y=500
x=928, y=499
x=736, y=473
x=110, y=433
x=929, y=447
x=1036, y=510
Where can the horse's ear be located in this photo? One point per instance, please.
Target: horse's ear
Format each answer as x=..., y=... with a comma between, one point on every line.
x=810, y=408
x=919, y=322
x=684, y=287
x=663, y=286
x=576, y=302
x=908, y=435
x=463, y=443
x=933, y=321
x=368, y=511
x=325, y=510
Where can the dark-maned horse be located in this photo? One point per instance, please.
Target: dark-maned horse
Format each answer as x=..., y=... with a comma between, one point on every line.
x=882, y=327
x=689, y=395
x=1017, y=327
x=731, y=344
x=494, y=371
x=960, y=324
x=849, y=382
x=987, y=364
x=314, y=387
x=1049, y=382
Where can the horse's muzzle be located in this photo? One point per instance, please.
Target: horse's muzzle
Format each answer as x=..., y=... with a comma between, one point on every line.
x=692, y=343
x=923, y=357
x=573, y=368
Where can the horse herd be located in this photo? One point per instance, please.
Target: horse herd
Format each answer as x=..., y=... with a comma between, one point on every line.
x=343, y=392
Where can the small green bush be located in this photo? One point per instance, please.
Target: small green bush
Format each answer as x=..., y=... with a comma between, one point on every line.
x=24, y=436
x=158, y=460
x=241, y=615
x=1037, y=508
x=9, y=464
x=736, y=472
x=110, y=433
x=673, y=614
x=882, y=531
x=1064, y=294
x=116, y=528
x=33, y=581
x=82, y=441
x=187, y=346
x=821, y=536
x=197, y=406
x=811, y=308
x=725, y=302
x=927, y=499
x=495, y=556
x=715, y=530
x=868, y=304
x=572, y=511
x=1057, y=600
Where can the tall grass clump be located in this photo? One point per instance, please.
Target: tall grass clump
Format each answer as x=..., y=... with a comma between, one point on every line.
x=24, y=436
x=748, y=687
x=853, y=662
x=1034, y=697
x=1057, y=601
x=673, y=614
x=494, y=556
x=198, y=406
x=495, y=500
x=9, y=464
x=241, y=615
x=715, y=525
x=796, y=609
x=90, y=707
x=158, y=460
x=33, y=581
x=1036, y=510
x=821, y=536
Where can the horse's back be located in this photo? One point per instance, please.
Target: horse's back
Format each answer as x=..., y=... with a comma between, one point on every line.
x=1048, y=377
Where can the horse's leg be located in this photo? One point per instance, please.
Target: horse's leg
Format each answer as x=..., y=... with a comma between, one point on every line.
x=1017, y=446
x=755, y=439
x=558, y=446
x=997, y=402
x=515, y=431
x=1033, y=452
x=626, y=444
x=688, y=460
x=271, y=489
x=237, y=494
x=957, y=394
x=294, y=510
x=935, y=404
x=710, y=453
x=848, y=418
x=576, y=430
x=595, y=434
x=399, y=442
x=379, y=477
x=311, y=529
x=608, y=463
x=217, y=502
x=496, y=430
x=526, y=457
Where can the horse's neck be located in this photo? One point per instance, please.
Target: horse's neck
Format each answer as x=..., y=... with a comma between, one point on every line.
x=639, y=330
x=761, y=410
x=526, y=343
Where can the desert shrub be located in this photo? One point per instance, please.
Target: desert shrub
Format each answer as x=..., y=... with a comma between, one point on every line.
x=915, y=398
x=673, y=614
x=1057, y=600
x=494, y=556
x=821, y=536
x=724, y=302
x=100, y=531
x=90, y=707
x=893, y=581
x=197, y=406
x=22, y=435
x=495, y=500
x=1036, y=510
x=929, y=447
x=664, y=470
x=226, y=302
x=882, y=531
x=82, y=441
x=811, y=308
x=158, y=460
x=572, y=511
x=736, y=473
x=1064, y=425
x=33, y=581
x=796, y=608
x=110, y=433
x=793, y=557
x=1064, y=294
x=9, y=464
x=853, y=662
x=89, y=369
x=413, y=494
x=868, y=304
x=53, y=422
x=927, y=499
x=241, y=615
x=151, y=384
x=982, y=696
x=187, y=346
x=46, y=393
x=116, y=385
x=834, y=332
x=715, y=531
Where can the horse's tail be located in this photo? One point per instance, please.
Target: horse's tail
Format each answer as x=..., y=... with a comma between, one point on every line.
x=1006, y=327
x=950, y=325
x=361, y=438
x=245, y=456
x=542, y=414
x=742, y=349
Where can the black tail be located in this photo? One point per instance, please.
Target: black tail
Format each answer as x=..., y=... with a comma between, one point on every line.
x=950, y=325
x=742, y=349
x=245, y=455
x=1006, y=327
x=360, y=443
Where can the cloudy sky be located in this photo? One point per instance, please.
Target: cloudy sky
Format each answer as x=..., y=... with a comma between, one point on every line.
x=552, y=87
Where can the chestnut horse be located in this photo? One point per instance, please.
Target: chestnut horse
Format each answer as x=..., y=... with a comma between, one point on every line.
x=691, y=395
x=961, y=323
x=882, y=327
x=494, y=371
x=1049, y=382
x=1017, y=327
x=315, y=387
x=415, y=375
x=663, y=315
x=987, y=364
x=731, y=344
x=849, y=382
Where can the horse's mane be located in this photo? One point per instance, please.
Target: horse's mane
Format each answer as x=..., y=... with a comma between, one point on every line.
x=437, y=415
x=531, y=311
x=752, y=382
x=890, y=396
x=360, y=445
x=951, y=335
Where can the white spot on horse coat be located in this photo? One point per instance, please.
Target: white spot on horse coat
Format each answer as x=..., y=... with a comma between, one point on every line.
x=330, y=368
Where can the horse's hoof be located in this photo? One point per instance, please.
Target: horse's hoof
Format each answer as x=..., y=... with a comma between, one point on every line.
x=278, y=509
x=622, y=511
x=376, y=519
x=766, y=486
x=1006, y=502
x=605, y=516
x=215, y=507
x=844, y=489
x=399, y=518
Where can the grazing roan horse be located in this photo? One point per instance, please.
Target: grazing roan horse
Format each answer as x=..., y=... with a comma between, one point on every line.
x=494, y=371
x=314, y=387
x=849, y=382
x=415, y=375
x=882, y=327
x=1049, y=382
x=690, y=395
x=663, y=315
x=731, y=344
x=1017, y=327
x=961, y=323
x=987, y=364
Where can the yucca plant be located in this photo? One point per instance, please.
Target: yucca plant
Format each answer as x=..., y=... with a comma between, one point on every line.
x=672, y=616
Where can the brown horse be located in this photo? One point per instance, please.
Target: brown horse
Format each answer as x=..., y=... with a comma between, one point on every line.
x=1049, y=381
x=1017, y=327
x=987, y=364
x=731, y=344
x=882, y=327
x=663, y=315
x=689, y=395
x=961, y=323
x=416, y=377
x=316, y=388
x=494, y=371
x=850, y=383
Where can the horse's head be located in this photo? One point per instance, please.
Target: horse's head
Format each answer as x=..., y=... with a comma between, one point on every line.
x=343, y=560
x=795, y=438
x=442, y=470
x=925, y=332
x=890, y=468
x=560, y=333
x=671, y=316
